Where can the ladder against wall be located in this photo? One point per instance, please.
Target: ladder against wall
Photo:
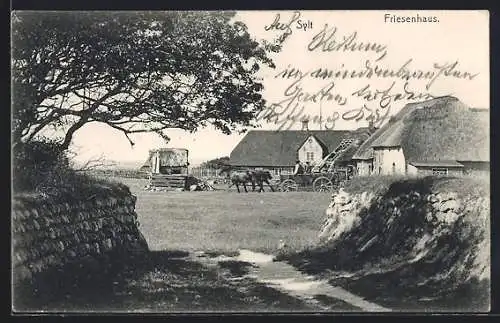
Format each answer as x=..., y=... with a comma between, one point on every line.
x=328, y=162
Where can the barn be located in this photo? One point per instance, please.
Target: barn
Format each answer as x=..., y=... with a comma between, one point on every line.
x=441, y=136
x=279, y=150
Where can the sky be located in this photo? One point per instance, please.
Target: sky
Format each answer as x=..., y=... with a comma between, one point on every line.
x=456, y=47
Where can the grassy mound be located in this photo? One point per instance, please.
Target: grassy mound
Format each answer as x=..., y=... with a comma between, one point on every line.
x=405, y=254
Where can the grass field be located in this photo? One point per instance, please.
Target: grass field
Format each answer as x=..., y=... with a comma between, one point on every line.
x=226, y=221
x=172, y=279
x=218, y=222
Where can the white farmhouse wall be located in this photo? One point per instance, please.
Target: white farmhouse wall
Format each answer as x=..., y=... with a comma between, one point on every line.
x=311, y=145
x=412, y=170
x=389, y=161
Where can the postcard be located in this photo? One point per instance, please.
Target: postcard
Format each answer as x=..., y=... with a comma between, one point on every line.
x=298, y=161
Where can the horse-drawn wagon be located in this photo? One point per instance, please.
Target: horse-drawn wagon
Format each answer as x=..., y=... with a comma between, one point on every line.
x=328, y=174
x=317, y=182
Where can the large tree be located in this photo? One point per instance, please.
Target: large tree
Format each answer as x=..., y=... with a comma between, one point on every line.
x=135, y=72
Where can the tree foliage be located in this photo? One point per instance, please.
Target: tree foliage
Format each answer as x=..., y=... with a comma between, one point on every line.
x=135, y=72
x=216, y=163
x=38, y=164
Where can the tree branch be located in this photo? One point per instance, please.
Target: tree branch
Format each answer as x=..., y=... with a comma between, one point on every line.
x=86, y=116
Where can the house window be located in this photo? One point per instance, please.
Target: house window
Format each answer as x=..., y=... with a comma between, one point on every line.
x=310, y=155
x=440, y=171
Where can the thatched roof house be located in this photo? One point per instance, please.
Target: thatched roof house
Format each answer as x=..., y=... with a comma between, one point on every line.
x=279, y=150
x=440, y=134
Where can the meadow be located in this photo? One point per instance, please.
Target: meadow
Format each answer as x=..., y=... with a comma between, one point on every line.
x=225, y=221
x=176, y=224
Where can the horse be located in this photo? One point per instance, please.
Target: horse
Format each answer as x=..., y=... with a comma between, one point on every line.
x=262, y=176
x=257, y=176
x=240, y=177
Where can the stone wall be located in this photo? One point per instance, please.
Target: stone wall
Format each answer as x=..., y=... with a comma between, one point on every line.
x=422, y=236
x=58, y=242
x=441, y=209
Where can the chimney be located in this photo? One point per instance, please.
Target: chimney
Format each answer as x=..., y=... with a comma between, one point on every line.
x=305, y=124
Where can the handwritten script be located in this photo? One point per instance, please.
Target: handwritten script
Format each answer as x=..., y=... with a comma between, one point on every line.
x=363, y=91
x=327, y=41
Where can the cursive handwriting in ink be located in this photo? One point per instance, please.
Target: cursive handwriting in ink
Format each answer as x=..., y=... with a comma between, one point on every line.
x=450, y=69
x=287, y=27
x=296, y=94
x=286, y=118
x=386, y=96
x=327, y=42
x=291, y=73
x=374, y=116
x=280, y=26
x=281, y=115
x=290, y=110
x=370, y=70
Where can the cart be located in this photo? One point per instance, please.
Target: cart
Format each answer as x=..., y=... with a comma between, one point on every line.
x=317, y=182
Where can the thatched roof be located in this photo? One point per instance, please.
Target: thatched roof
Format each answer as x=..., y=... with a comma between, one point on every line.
x=365, y=151
x=173, y=157
x=279, y=148
x=438, y=129
x=362, y=135
x=346, y=155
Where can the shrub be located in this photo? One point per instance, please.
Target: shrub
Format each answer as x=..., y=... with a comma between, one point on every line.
x=37, y=164
x=42, y=168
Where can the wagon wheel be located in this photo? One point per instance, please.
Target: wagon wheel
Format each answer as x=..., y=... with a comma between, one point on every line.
x=322, y=184
x=288, y=185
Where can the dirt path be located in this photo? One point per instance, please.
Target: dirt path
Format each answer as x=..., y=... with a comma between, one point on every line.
x=177, y=281
x=287, y=279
